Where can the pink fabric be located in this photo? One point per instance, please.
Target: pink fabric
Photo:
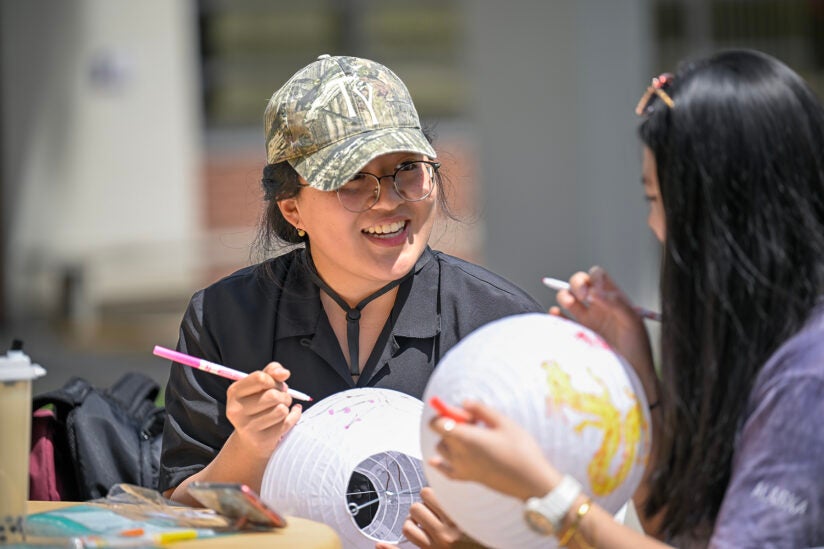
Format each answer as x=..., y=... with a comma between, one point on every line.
x=44, y=483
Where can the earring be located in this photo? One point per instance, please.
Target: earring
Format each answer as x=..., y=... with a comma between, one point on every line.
x=301, y=233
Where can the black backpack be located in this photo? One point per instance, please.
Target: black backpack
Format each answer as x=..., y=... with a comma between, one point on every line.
x=107, y=436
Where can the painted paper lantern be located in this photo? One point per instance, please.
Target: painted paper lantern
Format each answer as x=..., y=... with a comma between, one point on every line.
x=353, y=461
x=560, y=381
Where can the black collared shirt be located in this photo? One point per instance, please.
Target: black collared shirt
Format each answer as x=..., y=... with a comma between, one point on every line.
x=272, y=312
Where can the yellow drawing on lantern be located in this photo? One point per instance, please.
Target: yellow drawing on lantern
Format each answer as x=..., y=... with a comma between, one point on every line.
x=622, y=434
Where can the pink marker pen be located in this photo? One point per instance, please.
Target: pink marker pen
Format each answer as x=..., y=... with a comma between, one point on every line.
x=214, y=368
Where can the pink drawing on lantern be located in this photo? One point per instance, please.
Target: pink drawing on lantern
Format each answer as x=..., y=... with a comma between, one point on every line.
x=592, y=341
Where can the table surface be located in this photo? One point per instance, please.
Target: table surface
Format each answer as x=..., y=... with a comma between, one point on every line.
x=297, y=533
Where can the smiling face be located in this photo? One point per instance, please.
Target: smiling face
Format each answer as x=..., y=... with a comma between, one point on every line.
x=652, y=193
x=358, y=253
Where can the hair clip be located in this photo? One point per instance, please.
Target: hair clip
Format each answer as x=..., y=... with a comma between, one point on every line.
x=656, y=88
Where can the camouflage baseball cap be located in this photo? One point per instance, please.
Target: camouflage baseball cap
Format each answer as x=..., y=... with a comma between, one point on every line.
x=337, y=114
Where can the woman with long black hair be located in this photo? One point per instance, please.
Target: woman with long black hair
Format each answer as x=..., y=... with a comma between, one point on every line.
x=733, y=169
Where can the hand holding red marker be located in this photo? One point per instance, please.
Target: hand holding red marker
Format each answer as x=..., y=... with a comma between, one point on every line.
x=456, y=414
x=213, y=368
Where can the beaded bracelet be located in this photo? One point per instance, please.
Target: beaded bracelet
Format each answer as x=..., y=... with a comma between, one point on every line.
x=570, y=532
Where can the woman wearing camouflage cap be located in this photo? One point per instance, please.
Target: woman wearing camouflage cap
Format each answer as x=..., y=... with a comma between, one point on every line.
x=364, y=303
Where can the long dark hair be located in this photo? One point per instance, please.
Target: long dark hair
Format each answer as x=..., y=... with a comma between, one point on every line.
x=740, y=162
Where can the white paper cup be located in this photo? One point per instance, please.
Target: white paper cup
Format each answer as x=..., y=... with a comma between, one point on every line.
x=16, y=375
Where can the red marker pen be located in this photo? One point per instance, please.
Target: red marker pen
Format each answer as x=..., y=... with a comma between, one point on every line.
x=458, y=415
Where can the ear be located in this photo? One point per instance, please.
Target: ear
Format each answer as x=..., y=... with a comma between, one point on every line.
x=291, y=212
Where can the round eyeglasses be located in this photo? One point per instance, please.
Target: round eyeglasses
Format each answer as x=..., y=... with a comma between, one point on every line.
x=413, y=181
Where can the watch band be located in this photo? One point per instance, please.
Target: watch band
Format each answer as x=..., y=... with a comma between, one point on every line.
x=555, y=505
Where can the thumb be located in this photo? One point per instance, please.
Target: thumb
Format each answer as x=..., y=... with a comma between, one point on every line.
x=484, y=413
x=605, y=288
x=602, y=283
x=600, y=279
x=277, y=372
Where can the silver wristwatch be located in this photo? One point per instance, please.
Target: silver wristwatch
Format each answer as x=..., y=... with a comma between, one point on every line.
x=546, y=515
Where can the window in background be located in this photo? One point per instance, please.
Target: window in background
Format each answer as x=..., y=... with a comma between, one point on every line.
x=791, y=30
x=251, y=47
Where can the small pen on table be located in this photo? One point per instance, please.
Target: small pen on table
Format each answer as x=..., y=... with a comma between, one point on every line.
x=213, y=368
x=559, y=285
x=172, y=536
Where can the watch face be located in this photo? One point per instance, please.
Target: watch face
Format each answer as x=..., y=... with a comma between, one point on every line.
x=538, y=522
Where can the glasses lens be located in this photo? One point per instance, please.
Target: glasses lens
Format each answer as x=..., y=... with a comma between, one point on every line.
x=360, y=193
x=415, y=180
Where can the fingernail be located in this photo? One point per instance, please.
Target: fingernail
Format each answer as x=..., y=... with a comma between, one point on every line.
x=596, y=273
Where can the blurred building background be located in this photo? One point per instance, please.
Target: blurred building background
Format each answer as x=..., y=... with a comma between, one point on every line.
x=132, y=142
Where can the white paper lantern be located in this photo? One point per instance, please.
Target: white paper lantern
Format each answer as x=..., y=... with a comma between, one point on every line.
x=561, y=382
x=369, y=432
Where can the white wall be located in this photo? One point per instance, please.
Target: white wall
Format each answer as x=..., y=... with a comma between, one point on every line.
x=101, y=146
x=102, y=171
x=554, y=88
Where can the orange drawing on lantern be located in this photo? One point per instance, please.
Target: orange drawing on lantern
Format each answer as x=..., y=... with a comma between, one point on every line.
x=620, y=433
